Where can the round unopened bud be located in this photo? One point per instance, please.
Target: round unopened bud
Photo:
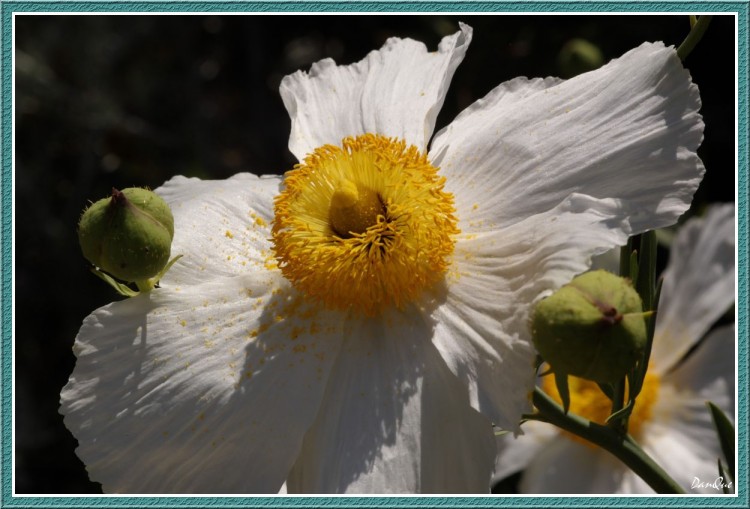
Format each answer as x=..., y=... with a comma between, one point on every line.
x=128, y=235
x=592, y=328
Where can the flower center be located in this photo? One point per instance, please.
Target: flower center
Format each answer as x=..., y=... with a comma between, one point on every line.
x=353, y=209
x=365, y=225
x=588, y=401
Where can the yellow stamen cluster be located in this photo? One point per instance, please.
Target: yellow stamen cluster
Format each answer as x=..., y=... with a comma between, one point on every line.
x=364, y=226
x=588, y=401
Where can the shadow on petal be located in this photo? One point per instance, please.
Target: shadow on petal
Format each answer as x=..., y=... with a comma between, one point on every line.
x=394, y=418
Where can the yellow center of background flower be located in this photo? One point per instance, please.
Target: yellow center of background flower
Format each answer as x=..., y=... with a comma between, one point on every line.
x=364, y=226
x=588, y=401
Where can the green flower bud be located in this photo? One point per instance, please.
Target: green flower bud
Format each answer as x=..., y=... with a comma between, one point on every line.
x=592, y=328
x=128, y=235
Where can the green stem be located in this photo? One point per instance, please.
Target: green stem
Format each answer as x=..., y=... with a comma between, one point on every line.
x=692, y=39
x=626, y=252
x=618, y=402
x=146, y=285
x=621, y=446
x=645, y=283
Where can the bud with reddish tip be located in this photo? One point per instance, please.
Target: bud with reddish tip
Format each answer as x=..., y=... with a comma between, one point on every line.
x=592, y=328
x=128, y=235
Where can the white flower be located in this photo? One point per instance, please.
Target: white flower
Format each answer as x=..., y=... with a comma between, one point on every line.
x=284, y=347
x=670, y=420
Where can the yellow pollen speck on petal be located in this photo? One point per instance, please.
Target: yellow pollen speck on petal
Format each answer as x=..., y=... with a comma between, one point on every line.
x=228, y=234
x=588, y=401
x=259, y=221
x=364, y=226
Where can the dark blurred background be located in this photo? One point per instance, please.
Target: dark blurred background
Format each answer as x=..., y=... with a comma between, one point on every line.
x=124, y=101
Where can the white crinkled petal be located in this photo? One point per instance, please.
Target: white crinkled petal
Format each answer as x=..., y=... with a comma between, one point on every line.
x=222, y=227
x=699, y=284
x=207, y=389
x=395, y=420
x=631, y=483
x=680, y=434
x=609, y=261
x=567, y=467
x=707, y=374
x=673, y=447
x=627, y=131
x=514, y=453
x=396, y=91
x=502, y=97
x=709, y=371
x=494, y=281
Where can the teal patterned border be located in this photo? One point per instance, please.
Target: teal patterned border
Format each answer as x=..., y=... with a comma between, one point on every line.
x=9, y=7
x=301, y=6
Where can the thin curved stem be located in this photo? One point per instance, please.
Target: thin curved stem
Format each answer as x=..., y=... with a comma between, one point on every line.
x=695, y=35
x=621, y=446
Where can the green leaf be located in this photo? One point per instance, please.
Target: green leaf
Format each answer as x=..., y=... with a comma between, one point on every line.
x=625, y=258
x=167, y=267
x=607, y=390
x=723, y=475
x=725, y=431
x=618, y=402
x=538, y=361
x=561, y=380
x=546, y=372
x=621, y=414
x=642, y=368
x=633, y=266
x=147, y=285
x=621, y=410
x=120, y=288
x=645, y=282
